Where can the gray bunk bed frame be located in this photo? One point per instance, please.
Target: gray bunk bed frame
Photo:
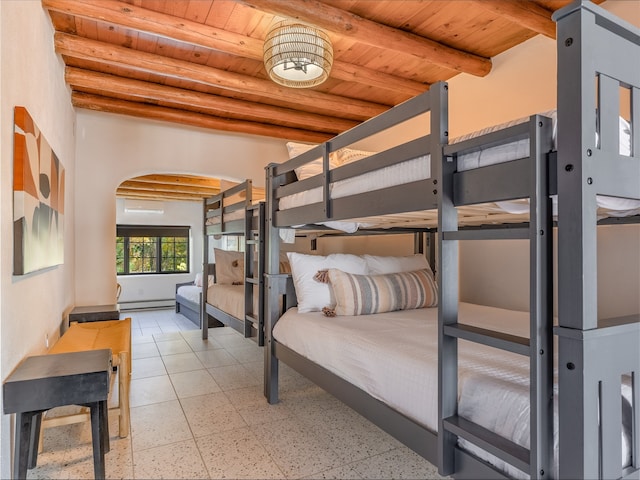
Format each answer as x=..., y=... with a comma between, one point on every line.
x=252, y=227
x=187, y=307
x=592, y=355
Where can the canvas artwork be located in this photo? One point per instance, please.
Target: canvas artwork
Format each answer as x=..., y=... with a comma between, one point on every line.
x=38, y=199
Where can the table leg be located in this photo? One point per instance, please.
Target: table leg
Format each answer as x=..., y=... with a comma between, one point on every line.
x=34, y=440
x=24, y=442
x=98, y=440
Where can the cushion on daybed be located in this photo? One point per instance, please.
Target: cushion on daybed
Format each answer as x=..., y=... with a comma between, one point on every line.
x=312, y=295
x=367, y=294
x=229, y=267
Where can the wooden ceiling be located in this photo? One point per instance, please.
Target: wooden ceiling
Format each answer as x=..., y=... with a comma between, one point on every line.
x=199, y=62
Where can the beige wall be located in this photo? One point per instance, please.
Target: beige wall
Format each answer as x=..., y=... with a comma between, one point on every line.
x=112, y=148
x=33, y=305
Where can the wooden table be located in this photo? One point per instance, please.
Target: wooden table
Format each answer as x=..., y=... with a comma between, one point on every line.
x=43, y=382
x=94, y=313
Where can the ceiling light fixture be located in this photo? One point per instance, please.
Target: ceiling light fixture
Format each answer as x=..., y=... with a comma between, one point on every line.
x=297, y=55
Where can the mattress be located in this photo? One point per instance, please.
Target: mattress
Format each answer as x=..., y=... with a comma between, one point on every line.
x=190, y=292
x=394, y=358
x=230, y=299
x=420, y=169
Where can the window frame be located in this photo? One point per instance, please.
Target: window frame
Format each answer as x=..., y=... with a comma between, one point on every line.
x=158, y=232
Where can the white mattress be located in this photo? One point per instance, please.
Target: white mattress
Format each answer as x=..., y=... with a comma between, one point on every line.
x=420, y=169
x=190, y=292
x=394, y=358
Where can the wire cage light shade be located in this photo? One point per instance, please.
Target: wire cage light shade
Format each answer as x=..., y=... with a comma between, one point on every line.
x=297, y=55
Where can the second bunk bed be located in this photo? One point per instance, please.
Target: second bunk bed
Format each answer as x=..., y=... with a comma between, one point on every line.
x=478, y=391
x=235, y=298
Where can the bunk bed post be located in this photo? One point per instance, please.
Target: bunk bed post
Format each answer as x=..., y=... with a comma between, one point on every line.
x=249, y=256
x=593, y=354
x=442, y=169
x=272, y=269
x=204, y=318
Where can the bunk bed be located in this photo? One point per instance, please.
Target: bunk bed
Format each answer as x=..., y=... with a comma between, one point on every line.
x=236, y=298
x=596, y=394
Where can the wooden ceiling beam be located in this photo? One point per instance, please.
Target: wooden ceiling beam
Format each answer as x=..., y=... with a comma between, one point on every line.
x=525, y=13
x=150, y=195
x=101, y=52
x=112, y=86
x=164, y=187
x=194, y=33
x=110, y=105
x=187, y=180
x=375, y=34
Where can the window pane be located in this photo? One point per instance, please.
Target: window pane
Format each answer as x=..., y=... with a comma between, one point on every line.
x=144, y=248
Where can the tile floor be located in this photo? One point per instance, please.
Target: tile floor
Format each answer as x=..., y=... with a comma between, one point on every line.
x=197, y=411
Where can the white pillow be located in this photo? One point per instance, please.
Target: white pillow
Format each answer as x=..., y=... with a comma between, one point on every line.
x=313, y=295
x=312, y=168
x=348, y=155
x=379, y=265
x=198, y=280
x=229, y=267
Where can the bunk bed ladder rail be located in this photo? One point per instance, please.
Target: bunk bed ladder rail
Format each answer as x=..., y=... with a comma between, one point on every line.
x=254, y=270
x=536, y=460
x=595, y=355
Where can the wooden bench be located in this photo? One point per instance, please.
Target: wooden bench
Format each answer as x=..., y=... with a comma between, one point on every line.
x=111, y=334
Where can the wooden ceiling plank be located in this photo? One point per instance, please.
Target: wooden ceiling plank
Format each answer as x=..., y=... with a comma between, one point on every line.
x=195, y=33
x=365, y=31
x=123, y=192
x=163, y=187
x=74, y=46
x=180, y=179
x=104, y=104
x=218, y=105
x=526, y=13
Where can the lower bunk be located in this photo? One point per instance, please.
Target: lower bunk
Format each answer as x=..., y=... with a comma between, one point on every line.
x=385, y=366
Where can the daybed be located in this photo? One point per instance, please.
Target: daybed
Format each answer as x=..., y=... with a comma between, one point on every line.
x=586, y=170
x=188, y=301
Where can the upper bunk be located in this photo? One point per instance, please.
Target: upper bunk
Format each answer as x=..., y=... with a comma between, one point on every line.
x=233, y=211
x=492, y=170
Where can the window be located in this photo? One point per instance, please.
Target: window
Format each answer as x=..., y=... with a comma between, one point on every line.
x=144, y=249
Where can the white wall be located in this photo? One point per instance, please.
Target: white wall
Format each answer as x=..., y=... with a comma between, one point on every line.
x=113, y=148
x=31, y=75
x=523, y=82
x=147, y=288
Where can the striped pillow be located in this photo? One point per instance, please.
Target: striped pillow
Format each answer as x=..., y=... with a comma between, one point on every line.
x=366, y=294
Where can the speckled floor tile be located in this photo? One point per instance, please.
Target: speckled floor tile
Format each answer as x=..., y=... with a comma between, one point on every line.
x=308, y=398
x=252, y=405
x=191, y=384
x=216, y=358
x=235, y=341
x=341, y=473
x=145, y=391
x=138, y=337
x=352, y=436
x=166, y=337
x=230, y=377
x=179, y=460
x=172, y=347
x=147, y=367
x=400, y=463
x=151, y=330
x=158, y=424
x=237, y=454
x=247, y=354
x=144, y=350
x=182, y=362
x=210, y=414
x=296, y=449
x=51, y=465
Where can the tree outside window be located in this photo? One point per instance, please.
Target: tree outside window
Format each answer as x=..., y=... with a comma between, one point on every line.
x=145, y=249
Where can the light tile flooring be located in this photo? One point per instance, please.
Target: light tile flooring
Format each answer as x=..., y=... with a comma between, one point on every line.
x=198, y=411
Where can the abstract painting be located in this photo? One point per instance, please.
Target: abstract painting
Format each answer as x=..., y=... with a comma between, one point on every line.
x=38, y=199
